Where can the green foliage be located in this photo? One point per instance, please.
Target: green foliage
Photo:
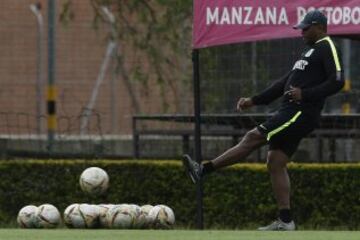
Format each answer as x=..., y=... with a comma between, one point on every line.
x=156, y=35
x=154, y=45
x=236, y=197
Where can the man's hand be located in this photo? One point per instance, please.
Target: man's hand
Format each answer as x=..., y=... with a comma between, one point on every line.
x=244, y=103
x=294, y=94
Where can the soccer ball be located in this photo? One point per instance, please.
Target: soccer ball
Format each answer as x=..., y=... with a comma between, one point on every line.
x=121, y=216
x=143, y=220
x=162, y=216
x=90, y=214
x=26, y=216
x=94, y=181
x=47, y=216
x=70, y=215
x=81, y=216
x=103, y=209
x=136, y=211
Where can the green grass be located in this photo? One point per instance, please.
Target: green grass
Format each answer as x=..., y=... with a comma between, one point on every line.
x=32, y=234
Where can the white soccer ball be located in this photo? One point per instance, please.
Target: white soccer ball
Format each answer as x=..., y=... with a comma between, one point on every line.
x=70, y=215
x=103, y=209
x=162, y=216
x=94, y=181
x=121, y=216
x=47, y=216
x=136, y=211
x=26, y=216
x=143, y=220
x=81, y=216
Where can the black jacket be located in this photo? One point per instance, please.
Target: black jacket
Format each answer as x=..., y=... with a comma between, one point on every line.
x=319, y=74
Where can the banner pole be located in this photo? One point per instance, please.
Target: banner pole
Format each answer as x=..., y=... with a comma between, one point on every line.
x=51, y=97
x=197, y=134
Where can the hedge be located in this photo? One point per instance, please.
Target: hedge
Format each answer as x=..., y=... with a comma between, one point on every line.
x=323, y=195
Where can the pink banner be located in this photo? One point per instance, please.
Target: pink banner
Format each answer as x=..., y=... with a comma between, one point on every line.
x=218, y=22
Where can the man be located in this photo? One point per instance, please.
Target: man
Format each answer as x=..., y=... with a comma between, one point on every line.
x=315, y=76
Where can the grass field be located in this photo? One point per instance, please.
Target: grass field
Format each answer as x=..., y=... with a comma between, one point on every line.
x=12, y=234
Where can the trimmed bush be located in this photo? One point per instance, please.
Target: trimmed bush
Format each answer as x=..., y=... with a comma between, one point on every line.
x=323, y=195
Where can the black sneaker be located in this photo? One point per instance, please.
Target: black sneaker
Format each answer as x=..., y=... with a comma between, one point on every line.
x=192, y=168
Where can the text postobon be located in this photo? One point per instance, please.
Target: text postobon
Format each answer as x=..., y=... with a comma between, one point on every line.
x=247, y=15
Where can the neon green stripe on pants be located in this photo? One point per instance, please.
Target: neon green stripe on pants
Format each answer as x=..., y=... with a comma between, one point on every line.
x=282, y=127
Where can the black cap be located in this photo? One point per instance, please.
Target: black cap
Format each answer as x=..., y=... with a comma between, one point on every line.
x=312, y=17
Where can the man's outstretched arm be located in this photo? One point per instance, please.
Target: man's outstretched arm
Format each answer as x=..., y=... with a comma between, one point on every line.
x=271, y=93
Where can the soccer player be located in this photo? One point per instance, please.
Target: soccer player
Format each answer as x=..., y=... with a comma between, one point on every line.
x=316, y=75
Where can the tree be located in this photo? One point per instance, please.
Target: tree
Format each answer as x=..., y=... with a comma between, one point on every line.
x=156, y=35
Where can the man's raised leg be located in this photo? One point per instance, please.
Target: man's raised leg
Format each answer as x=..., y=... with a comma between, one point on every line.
x=252, y=140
